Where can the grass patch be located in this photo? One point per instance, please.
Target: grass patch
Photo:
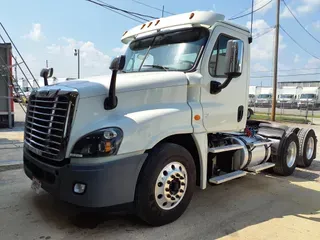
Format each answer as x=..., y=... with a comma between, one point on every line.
x=283, y=118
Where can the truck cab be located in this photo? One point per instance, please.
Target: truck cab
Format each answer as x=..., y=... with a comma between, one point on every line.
x=309, y=98
x=172, y=116
x=289, y=97
x=264, y=99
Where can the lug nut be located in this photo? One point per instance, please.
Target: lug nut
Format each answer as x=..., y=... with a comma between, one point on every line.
x=167, y=189
x=168, y=196
x=181, y=191
x=160, y=184
x=173, y=199
x=169, y=182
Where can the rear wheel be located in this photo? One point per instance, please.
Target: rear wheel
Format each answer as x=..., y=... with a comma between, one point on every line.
x=286, y=161
x=166, y=184
x=308, y=147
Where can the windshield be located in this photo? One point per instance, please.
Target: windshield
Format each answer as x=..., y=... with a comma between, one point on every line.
x=264, y=96
x=307, y=95
x=173, y=51
x=286, y=96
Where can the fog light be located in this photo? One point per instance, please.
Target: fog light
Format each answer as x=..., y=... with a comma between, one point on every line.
x=79, y=188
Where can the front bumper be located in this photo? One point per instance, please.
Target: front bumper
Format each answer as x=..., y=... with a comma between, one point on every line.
x=108, y=184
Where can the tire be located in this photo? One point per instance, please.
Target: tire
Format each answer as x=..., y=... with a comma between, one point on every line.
x=250, y=113
x=283, y=166
x=151, y=184
x=306, y=156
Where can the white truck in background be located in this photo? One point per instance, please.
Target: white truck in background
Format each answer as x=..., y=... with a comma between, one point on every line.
x=254, y=92
x=264, y=98
x=171, y=117
x=288, y=97
x=309, y=98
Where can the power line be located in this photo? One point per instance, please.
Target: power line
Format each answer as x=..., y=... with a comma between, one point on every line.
x=300, y=22
x=247, y=14
x=101, y=5
x=298, y=43
x=149, y=6
x=130, y=15
x=249, y=8
x=262, y=34
x=126, y=11
x=285, y=70
x=288, y=75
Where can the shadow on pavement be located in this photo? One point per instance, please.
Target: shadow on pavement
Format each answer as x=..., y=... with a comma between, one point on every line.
x=215, y=212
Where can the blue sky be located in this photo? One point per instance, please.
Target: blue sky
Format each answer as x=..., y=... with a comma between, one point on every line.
x=44, y=29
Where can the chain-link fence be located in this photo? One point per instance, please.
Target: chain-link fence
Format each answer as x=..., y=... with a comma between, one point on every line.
x=299, y=112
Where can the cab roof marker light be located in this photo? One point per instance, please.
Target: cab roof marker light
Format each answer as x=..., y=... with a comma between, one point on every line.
x=124, y=33
x=158, y=21
x=143, y=26
x=149, y=24
x=191, y=15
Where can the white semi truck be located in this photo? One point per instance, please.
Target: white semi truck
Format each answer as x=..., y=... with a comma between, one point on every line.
x=309, y=97
x=254, y=92
x=264, y=99
x=289, y=97
x=171, y=117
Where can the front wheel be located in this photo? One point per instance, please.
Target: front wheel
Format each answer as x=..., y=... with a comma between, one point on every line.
x=166, y=184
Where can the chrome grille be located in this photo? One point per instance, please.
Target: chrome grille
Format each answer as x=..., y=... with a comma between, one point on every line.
x=47, y=121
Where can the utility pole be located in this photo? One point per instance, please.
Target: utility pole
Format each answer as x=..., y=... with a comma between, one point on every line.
x=275, y=64
x=77, y=53
x=47, y=64
x=162, y=10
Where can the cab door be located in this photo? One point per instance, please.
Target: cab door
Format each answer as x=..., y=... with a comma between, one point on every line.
x=226, y=110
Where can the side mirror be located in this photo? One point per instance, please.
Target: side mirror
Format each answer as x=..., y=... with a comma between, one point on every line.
x=118, y=63
x=46, y=73
x=234, y=58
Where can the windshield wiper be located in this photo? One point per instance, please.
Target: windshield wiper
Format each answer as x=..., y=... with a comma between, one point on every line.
x=157, y=66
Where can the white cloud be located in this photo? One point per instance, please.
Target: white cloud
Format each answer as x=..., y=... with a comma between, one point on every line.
x=296, y=58
x=35, y=33
x=258, y=67
x=265, y=9
x=313, y=63
x=286, y=13
x=262, y=48
x=92, y=60
x=120, y=50
x=316, y=25
x=308, y=6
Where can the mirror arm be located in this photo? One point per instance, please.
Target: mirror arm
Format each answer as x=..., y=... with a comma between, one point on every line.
x=111, y=101
x=216, y=87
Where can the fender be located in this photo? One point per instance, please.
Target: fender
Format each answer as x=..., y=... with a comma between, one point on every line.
x=142, y=128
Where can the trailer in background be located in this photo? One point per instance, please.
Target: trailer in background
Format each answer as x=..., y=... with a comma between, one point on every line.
x=6, y=95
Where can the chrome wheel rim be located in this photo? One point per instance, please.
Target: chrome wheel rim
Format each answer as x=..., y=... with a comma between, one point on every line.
x=171, y=185
x=291, y=154
x=310, y=148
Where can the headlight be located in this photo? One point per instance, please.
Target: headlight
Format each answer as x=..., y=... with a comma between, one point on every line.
x=100, y=143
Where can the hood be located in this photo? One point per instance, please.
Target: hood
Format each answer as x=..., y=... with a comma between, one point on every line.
x=95, y=86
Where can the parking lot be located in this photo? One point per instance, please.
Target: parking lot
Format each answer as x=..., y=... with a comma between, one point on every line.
x=262, y=206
